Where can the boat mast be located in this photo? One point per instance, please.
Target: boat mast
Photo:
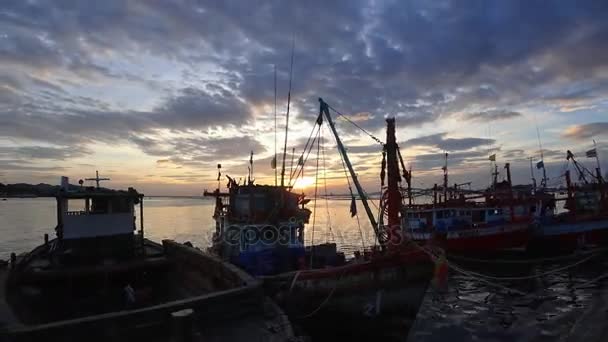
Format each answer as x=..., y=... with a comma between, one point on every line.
x=394, y=195
x=543, y=183
x=293, y=44
x=532, y=175
x=97, y=179
x=275, y=127
x=324, y=110
x=445, y=179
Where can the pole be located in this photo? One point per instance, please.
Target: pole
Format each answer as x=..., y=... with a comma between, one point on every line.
x=532, y=175
x=445, y=178
x=275, y=126
x=394, y=195
x=293, y=44
x=324, y=109
x=597, y=158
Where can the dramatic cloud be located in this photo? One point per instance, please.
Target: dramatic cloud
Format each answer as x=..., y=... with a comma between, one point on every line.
x=192, y=82
x=492, y=115
x=441, y=142
x=586, y=131
x=41, y=152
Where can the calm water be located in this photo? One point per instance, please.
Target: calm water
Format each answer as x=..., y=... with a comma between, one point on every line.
x=24, y=221
x=468, y=311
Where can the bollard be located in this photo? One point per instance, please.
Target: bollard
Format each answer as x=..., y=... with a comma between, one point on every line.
x=182, y=325
x=13, y=260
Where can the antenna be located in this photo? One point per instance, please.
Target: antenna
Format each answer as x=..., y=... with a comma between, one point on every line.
x=97, y=179
x=275, y=125
x=293, y=44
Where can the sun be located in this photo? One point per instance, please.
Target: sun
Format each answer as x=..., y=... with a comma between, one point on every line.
x=303, y=183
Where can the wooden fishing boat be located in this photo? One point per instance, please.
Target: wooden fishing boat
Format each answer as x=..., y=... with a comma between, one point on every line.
x=584, y=222
x=261, y=229
x=101, y=280
x=493, y=221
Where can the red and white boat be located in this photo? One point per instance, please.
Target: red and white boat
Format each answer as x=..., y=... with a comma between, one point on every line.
x=496, y=220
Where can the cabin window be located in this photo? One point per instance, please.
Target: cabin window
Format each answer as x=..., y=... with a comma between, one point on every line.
x=440, y=214
x=478, y=215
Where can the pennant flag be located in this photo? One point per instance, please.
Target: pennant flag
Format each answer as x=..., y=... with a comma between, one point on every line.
x=492, y=157
x=540, y=165
x=353, y=207
x=569, y=155
x=591, y=153
x=301, y=160
x=273, y=162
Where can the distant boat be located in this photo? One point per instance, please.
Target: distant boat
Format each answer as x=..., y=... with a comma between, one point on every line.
x=100, y=280
x=585, y=221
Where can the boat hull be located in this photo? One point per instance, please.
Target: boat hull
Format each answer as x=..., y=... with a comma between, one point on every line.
x=568, y=236
x=359, y=299
x=482, y=240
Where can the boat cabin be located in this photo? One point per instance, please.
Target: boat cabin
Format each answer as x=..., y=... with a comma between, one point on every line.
x=260, y=227
x=447, y=219
x=98, y=222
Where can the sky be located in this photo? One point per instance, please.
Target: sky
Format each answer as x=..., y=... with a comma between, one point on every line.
x=154, y=94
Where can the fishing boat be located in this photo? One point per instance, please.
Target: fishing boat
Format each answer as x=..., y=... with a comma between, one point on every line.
x=100, y=279
x=260, y=228
x=584, y=221
x=492, y=221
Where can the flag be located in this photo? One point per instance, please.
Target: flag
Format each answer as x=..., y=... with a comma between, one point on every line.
x=591, y=153
x=273, y=162
x=540, y=164
x=569, y=155
x=492, y=157
x=219, y=173
x=353, y=207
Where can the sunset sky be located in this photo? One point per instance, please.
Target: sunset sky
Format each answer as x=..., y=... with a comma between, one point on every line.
x=154, y=94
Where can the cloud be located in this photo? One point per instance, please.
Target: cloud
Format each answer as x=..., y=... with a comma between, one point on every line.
x=586, y=131
x=42, y=152
x=166, y=77
x=441, y=142
x=492, y=115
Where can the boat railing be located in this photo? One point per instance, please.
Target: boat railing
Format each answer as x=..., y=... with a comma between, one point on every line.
x=75, y=213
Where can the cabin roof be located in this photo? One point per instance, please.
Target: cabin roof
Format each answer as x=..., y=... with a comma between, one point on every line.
x=99, y=193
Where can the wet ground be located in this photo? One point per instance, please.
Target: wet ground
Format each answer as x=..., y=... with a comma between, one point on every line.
x=564, y=302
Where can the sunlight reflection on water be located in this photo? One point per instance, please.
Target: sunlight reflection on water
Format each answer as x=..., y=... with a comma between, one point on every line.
x=23, y=222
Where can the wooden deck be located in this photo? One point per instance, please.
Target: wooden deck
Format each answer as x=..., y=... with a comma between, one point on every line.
x=240, y=312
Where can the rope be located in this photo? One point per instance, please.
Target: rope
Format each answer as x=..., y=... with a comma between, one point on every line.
x=326, y=300
x=359, y=127
x=585, y=284
x=314, y=208
x=523, y=261
x=559, y=269
x=350, y=190
x=292, y=173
